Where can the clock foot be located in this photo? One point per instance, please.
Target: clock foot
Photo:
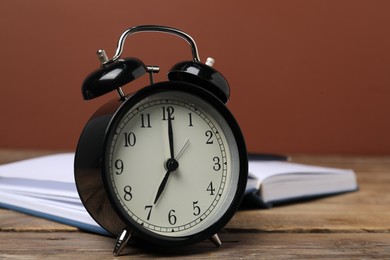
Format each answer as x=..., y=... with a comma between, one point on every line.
x=215, y=239
x=121, y=241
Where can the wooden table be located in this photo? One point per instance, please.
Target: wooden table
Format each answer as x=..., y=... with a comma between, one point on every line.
x=349, y=226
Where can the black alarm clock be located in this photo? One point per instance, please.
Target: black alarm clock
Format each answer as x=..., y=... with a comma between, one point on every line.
x=167, y=164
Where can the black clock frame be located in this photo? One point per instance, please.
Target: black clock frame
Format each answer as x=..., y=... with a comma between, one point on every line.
x=92, y=157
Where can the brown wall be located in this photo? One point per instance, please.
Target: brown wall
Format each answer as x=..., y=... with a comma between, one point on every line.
x=306, y=76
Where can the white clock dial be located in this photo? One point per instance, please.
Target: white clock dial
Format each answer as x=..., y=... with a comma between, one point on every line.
x=170, y=164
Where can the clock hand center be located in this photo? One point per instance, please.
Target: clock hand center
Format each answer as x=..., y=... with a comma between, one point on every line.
x=172, y=165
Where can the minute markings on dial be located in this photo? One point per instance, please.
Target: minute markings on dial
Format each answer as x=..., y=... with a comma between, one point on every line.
x=209, y=207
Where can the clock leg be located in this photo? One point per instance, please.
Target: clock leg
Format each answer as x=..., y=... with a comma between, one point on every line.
x=215, y=239
x=121, y=241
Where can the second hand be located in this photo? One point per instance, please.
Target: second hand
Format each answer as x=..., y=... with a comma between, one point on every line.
x=182, y=149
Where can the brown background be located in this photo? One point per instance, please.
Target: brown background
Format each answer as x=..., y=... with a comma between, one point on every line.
x=306, y=76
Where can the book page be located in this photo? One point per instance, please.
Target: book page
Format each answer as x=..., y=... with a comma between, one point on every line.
x=48, y=176
x=264, y=169
x=57, y=167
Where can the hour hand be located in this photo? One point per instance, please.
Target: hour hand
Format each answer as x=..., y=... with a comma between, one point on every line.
x=172, y=165
x=162, y=186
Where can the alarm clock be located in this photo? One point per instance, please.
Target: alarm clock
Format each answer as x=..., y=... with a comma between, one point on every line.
x=167, y=164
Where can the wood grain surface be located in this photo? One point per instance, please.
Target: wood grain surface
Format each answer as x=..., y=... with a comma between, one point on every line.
x=349, y=226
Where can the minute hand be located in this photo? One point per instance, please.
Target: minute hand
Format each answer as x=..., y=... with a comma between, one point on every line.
x=170, y=137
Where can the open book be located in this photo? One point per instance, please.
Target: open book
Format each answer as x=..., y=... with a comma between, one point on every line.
x=45, y=187
x=276, y=182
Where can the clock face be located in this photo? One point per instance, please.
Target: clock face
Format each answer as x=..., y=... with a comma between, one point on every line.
x=171, y=164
